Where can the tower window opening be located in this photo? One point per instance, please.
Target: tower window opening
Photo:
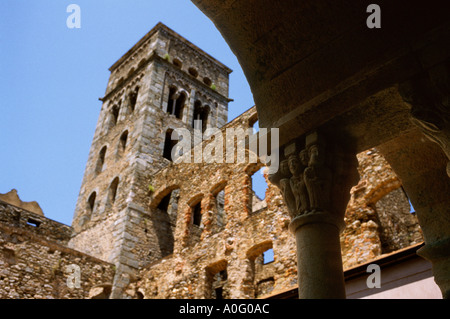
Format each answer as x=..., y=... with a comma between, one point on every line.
x=91, y=203
x=101, y=160
x=179, y=106
x=113, y=190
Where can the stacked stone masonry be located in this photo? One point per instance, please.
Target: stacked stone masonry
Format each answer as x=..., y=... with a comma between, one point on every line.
x=35, y=262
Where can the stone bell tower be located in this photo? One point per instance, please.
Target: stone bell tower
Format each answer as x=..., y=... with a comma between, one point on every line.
x=162, y=83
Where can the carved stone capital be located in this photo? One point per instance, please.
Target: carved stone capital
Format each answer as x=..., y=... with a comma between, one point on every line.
x=315, y=178
x=428, y=95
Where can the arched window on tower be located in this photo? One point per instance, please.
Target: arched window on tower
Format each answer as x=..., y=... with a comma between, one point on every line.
x=123, y=142
x=101, y=160
x=91, y=203
x=179, y=105
x=112, y=193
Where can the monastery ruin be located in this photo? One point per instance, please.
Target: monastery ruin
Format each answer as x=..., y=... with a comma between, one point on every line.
x=147, y=227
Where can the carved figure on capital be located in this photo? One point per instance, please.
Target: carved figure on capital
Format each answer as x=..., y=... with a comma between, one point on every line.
x=318, y=176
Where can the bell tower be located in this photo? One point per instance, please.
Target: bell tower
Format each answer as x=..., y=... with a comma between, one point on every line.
x=162, y=83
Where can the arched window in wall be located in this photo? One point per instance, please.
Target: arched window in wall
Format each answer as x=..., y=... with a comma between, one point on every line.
x=123, y=142
x=112, y=192
x=90, y=207
x=197, y=214
x=165, y=219
x=101, y=160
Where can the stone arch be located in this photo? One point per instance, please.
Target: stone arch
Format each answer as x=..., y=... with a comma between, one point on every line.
x=216, y=277
x=161, y=194
x=258, y=249
x=255, y=273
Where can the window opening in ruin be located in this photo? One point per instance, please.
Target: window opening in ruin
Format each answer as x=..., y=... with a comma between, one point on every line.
x=113, y=190
x=259, y=187
x=164, y=203
x=101, y=160
x=197, y=214
x=165, y=219
x=217, y=281
x=33, y=222
x=169, y=144
x=268, y=256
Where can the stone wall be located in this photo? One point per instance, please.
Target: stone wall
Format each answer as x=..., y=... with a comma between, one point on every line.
x=209, y=261
x=35, y=262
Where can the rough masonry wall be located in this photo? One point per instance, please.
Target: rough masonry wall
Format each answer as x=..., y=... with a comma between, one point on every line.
x=204, y=255
x=34, y=259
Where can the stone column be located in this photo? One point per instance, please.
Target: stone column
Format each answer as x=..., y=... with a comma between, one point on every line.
x=315, y=179
x=428, y=95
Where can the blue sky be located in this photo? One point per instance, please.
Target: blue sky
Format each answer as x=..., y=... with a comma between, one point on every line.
x=52, y=76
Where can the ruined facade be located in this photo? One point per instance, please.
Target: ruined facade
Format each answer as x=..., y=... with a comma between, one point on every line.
x=149, y=227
